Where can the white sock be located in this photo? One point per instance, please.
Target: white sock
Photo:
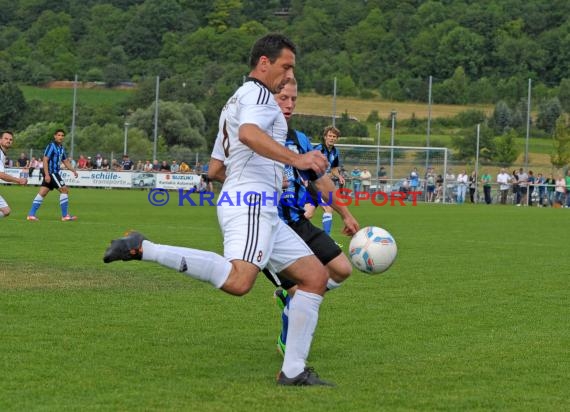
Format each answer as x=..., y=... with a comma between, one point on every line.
x=303, y=317
x=201, y=265
x=331, y=284
x=1, y=214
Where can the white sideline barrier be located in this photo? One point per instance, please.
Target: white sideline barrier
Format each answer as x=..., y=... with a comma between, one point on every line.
x=117, y=179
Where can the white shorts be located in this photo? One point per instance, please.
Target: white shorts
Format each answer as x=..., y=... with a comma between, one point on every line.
x=255, y=234
x=3, y=203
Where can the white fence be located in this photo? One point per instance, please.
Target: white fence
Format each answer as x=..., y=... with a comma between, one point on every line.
x=116, y=179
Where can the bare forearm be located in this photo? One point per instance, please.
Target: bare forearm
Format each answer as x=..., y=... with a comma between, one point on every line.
x=8, y=178
x=67, y=164
x=327, y=188
x=217, y=170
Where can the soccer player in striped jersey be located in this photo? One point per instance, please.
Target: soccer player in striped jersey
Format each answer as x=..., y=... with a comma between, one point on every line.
x=54, y=156
x=253, y=130
x=6, y=139
x=330, y=136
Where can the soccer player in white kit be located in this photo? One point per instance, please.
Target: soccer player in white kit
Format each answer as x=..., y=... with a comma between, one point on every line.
x=6, y=139
x=253, y=130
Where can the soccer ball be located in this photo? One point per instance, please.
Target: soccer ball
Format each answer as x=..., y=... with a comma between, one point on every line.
x=372, y=250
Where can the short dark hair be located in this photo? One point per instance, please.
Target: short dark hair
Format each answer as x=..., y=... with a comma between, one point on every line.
x=271, y=46
x=59, y=131
x=6, y=131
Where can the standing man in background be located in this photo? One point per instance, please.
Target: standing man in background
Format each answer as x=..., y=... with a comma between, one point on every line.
x=54, y=156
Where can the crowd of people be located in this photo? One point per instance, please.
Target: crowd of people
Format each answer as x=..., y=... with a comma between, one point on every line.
x=520, y=187
x=34, y=165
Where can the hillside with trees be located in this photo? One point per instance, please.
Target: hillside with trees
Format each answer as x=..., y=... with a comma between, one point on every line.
x=475, y=52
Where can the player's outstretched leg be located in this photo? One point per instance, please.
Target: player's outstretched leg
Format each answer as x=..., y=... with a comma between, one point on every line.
x=128, y=247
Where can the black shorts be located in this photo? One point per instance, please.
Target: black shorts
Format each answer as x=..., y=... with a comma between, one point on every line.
x=322, y=245
x=56, y=182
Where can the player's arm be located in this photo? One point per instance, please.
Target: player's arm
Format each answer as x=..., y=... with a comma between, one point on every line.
x=45, y=161
x=8, y=178
x=254, y=138
x=216, y=170
x=325, y=186
x=69, y=166
x=335, y=171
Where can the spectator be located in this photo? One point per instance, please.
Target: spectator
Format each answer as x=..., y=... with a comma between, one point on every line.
x=355, y=177
x=184, y=168
x=516, y=189
x=140, y=166
x=462, y=180
x=115, y=165
x=105, y=164
x=550, y=182
x=89, y=165
x=33, y=166
x=486, y=181
x=430, y=185
x=164, y=166
x=539, y=182
x=147, y=166
x=472, y=186
x=450, y=184
x=382, y=177
x=523, y=187
x=82, y=162
x=531, y=181
x=414, y=180
x=198, y=169
x=559, y=190
x=23, y=161
x=504, y=182
x=126, y=164
x=155, y=166
x=439, y=189
x=366, y=177
x=174, y=167
x=98, y=162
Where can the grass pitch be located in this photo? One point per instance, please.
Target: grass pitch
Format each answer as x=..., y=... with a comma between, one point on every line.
x=472, y=316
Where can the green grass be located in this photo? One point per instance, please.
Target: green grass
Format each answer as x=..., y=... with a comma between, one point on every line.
x=88, y=97
x=472, y=316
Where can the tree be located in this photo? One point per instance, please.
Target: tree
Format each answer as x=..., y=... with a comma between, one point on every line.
x=548, y=114
x=13, y=105
x=564, y=94
x=178, y=123
x=226, y=14
x=506, y=150
x=502, y=117
x=452, y=90
x=467, y=145
x=560, y=155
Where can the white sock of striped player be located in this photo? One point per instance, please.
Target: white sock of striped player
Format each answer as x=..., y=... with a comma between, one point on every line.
x=205, y=266
x=1, y=214
x=64, y=203
x=303, y=317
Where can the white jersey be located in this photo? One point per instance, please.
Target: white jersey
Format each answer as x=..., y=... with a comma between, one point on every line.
x=218, y=150
x=2, y=160
x=246, y=170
